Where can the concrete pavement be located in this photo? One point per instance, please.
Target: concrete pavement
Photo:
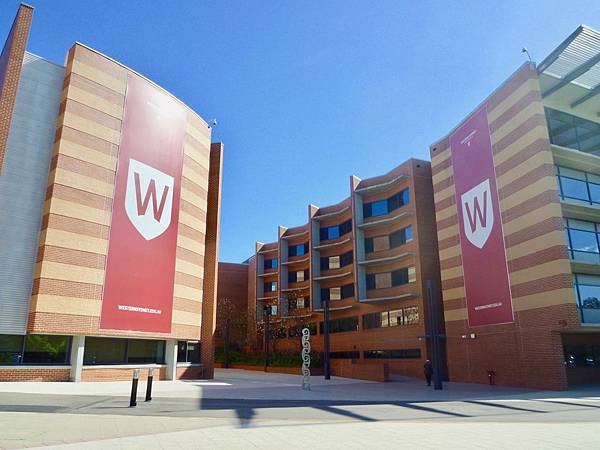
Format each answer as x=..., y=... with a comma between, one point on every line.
x=249, y=409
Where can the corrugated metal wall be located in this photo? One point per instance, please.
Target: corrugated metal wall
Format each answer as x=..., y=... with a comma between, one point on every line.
x=23, y=186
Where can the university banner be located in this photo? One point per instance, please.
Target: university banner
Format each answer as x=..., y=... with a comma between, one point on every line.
x=485, y=269
x=140, y=266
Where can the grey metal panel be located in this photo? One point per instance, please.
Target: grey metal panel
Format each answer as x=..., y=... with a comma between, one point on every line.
x=23, y=186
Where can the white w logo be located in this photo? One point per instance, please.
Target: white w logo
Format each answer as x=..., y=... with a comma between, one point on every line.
x=478, y=213
x=147, y=185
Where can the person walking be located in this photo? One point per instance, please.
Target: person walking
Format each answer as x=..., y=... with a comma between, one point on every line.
x=428, y=370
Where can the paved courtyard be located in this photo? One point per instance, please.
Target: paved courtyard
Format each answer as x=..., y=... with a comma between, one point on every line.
x=240, y=409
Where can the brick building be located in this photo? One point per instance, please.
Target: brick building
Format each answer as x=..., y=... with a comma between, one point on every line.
x=543, y=131
x=110, y=197
x=369, y=255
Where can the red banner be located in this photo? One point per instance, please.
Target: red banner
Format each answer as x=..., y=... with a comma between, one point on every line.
x=480, y=223
x=140, y=266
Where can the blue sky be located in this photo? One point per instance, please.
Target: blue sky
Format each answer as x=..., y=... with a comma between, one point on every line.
x=309, y=92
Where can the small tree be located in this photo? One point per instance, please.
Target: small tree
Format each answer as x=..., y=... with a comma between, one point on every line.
x=231, y=322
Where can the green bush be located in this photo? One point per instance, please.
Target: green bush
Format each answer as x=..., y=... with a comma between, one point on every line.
x=288, y=360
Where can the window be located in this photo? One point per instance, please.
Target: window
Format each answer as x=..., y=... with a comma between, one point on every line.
x=401, y=237
x=587, y=292
x=578, y=186
x=338, y=293
x=34, y=349
x=270, y=263
x=393, y=318
x=270, y=286
x=123, y=351
x=390, y=279
x=299, y=303
x=369, y=245
x=408, y=353
x=345, y=355
x=298, y=250
x=335, y=231
x=298, y=276
x=347, y=290
x=583, y=240
x=382, y=207
x=188, y=352
x=574, y=132
x=346, y=259
x=341, y=325
x=297, y=331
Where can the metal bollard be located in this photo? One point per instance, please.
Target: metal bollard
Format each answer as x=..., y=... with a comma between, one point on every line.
x=149, y=384
x=134, y=386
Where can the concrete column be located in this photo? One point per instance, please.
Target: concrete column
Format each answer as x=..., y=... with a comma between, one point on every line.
x=171, y=359
x=77, y=349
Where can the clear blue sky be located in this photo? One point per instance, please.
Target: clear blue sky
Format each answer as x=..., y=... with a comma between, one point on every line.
x=310, y=92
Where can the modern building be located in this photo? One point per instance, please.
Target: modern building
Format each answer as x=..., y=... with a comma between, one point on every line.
x=517, y=195
x=370, y=256
x=109, y=223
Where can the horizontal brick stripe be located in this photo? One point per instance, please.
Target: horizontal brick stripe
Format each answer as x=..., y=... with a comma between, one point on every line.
x=546, y=284
x=92, y=59
x=448, y=222
x=188, y=280
x=75, y=108
x=91, y=87
x=71, y=256
x=65, y=288
x=83, y=168
x=449, y=242
x=534, y=259
x=526, y=180
x=455, y=303
x=441, y=185
x=517, y=79
x=452, y=283
x=445, y=203
x=187, y=161
x=190, y=256
x=192, y=210
x=73, y=225
x=191, y=233
x=522, y=156
x=529, y=205
x=183, y=304
x=533, y=231
x=514, y=109
x=78, y=196
x=445, y=164
x=528, y=125
x=194, y=188
x=451, y=262
x=86, y=140
x=191, y=140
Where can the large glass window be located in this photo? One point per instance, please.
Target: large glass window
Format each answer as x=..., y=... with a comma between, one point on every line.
x=34, y=349
x=335, y=262
x=270, y=263
x=389, y=279
x=297, y=250
x=587, y=292
x=405, y=353
x=298, y=276
x=188, y=352
x=574, y=132
x=385, y=206
x=582, y=355
x=341, y=325
x=270, y=286
x=123, y=351
x=583, y=240
x=335, y=231
x=338, y=293
x=393, y=318
x=578, y=186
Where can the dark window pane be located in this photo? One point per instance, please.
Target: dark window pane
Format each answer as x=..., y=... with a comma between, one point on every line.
x=341, y=325
x=584, y=241
x=368, y=245
x=11, y=348
x=333, y=232
x=399, y=277
x=344, y=355
x=367, y=210
x=104, y=351
x=409, y=353
x=46, y=349
x=346, y=259
x=345, y=227
x=141, y=351
x=324, y=294
x=348, y=290
x=405, y=197
x=394, y=202
x=379, y=208
x=324, y=263
x=371, y=281
x=594, y=192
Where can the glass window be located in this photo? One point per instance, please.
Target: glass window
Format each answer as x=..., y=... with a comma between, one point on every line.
x=188, y=352
x=582, y=240
x=346, y=227
x=411, y=315
x=270, y=263
x=575, y=189
x=300, y=275
x=368, y=245
x=334, y=262
x=40, y=349
x=270, y=286
x=400, y=277
x=335, y=293
x=574, y=132
x=347, y=290
x=395, y=318
x=142, y=351
x=379, y=208
x=409, y=353
x=371, y=284
x=11, y=349
x=341, y=325
x=400, y=237
x=345, y=355
x=105, y=351
x=587, y=289
x=346, y=259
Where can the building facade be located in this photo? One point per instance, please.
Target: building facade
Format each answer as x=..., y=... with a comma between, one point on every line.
x=517, y=219
x=370, y=256
x=110, y=198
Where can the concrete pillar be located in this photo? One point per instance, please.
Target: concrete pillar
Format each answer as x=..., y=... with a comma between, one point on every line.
x=77, y=349
x=171, y=359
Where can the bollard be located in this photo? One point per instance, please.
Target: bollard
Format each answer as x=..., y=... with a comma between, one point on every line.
x=134, y=386
x=149, y=384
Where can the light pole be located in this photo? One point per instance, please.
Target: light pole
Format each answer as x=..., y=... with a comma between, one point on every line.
x=267, y=314
x=326, y=367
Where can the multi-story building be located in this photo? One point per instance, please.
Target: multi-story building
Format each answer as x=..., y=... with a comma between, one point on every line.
x=370, y=256
x=109, y=220
x=517, y=190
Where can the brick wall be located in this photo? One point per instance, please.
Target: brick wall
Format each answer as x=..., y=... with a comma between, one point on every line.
x=11, y=62
x=34, y=374
x=232, y=288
